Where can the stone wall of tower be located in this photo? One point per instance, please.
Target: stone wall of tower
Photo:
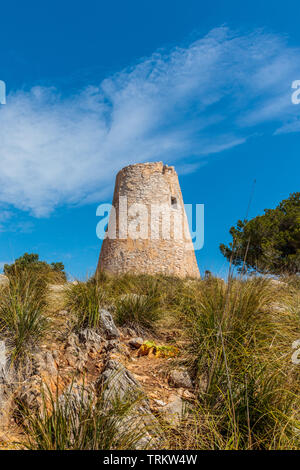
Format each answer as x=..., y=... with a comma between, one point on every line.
x=150, y=184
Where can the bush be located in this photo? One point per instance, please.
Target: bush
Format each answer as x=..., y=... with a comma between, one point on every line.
x=240, y=346
x=269, y=243
x=141, y=306
x=138, y=311
x=22, y=316
x=83, y=300
x=53, y=272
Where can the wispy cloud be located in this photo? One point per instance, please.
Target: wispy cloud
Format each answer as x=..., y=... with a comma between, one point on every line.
x=186, y=103
x=293, y=126
x=5, y=216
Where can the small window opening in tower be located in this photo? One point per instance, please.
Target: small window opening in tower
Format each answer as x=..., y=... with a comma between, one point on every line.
x=173, y=202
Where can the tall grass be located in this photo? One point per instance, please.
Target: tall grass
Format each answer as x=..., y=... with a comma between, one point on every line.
x=82, y=422
x=238, y=337
x=136, y=300
x=141, y=304
x=240, y=347
x=84, y=300
x=22, y=311
x=138, y=311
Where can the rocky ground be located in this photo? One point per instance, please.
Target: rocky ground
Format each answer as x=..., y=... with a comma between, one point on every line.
x=169, y=407
x=87, y=358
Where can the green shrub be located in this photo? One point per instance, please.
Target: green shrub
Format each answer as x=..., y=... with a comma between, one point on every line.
x=239, y=340
x=139, y=310
x=83, y=300
x=22, y=317
x=53, y=273
x=269, y=243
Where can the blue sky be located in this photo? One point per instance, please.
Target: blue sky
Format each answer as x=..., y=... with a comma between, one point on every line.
x=94, y=85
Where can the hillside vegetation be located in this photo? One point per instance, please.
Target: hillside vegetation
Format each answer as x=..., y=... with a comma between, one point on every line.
x=209, y=363
x=268, y=243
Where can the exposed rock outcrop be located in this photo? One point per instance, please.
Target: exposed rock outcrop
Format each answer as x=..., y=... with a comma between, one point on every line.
x=107, y=325
x=120, y=384
x=180, y=378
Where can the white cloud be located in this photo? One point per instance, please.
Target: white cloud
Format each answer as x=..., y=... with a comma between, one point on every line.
x=293, y=126
x=5, y=216
x=188, y=103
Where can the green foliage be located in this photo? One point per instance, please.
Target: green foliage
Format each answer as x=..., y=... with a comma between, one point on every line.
x=84, y=300
x=235, y=337
x=58, y=267
x=140, y=300
x=54, y=272
x=141, y=306
x=83, y=423
x=137, y=300
x=22, y=305
x=269, y=243
x=240, y=348
x=138, y=310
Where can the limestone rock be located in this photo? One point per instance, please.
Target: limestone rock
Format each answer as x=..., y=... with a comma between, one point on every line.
x=50, y=364
x=135, y=343
x=5, y=394
x=120, y=384
x=128, y=331
x=107, y=325
x=113, y=345
x=119, y=381
x=91, y=340
x=89, y=335
x=72, y=340
x=174, y=410
x=3, y=361
x=159, y=403
x=30, y=394
x=72, y=356
x=180, y=378
x=38, y=370
x=77, y=397
x=37, y=363
x=296, y=344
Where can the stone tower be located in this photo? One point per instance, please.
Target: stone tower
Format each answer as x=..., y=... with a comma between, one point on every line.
x=148, y=230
